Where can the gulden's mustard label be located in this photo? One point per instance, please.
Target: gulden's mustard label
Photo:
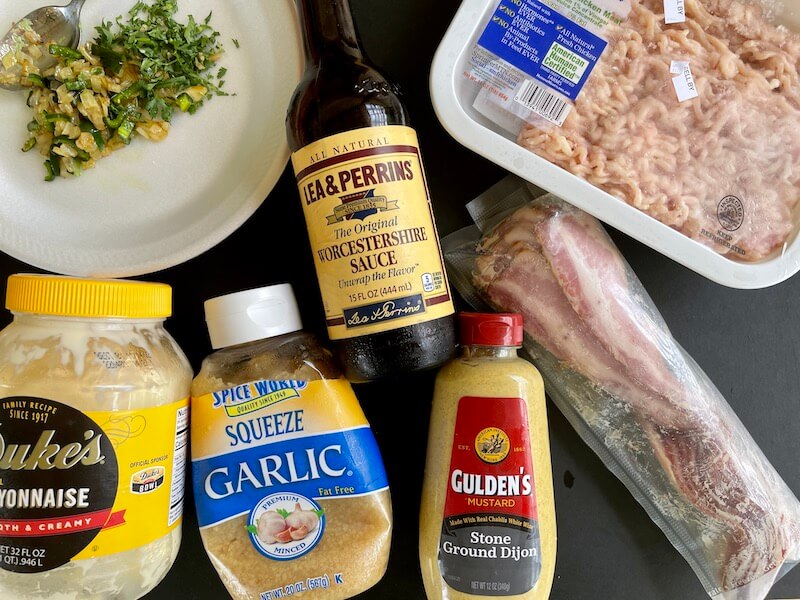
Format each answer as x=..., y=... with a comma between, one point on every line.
x=372, y=233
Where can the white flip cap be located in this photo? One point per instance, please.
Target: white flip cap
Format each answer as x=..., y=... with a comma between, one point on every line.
x=252, y=315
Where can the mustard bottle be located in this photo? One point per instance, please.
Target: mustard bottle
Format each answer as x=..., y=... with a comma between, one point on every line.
x=487, y=522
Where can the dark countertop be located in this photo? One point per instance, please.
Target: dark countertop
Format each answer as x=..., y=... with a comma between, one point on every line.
x=747, y=341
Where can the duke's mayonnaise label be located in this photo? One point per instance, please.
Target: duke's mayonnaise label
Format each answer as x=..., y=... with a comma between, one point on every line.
x=372, y=232
x=271, y=450
x=77, y=485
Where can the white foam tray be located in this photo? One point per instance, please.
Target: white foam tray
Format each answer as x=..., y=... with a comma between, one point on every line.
x=453, y=96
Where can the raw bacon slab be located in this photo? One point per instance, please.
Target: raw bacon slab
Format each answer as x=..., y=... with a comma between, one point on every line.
x=634, y=394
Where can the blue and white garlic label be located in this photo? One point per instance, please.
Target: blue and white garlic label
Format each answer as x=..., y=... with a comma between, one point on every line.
x=271, y=450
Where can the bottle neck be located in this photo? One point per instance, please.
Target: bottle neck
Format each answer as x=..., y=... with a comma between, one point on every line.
x=496, y=352
x=328, y=29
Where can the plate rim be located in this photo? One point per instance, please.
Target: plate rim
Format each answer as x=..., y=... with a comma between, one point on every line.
x=148, y=259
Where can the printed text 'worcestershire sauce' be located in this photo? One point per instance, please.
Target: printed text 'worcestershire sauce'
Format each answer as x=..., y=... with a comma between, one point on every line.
x=363, y=190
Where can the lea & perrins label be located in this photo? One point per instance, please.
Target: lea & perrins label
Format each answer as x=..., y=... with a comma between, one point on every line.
x=370, y=222
x=490, y=542
x=77, y=485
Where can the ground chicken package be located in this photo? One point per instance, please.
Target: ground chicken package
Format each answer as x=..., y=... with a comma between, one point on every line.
x=628, y=388
x=687, y=110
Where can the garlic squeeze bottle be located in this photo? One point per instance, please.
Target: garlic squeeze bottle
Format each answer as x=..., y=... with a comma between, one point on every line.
x=291, y=493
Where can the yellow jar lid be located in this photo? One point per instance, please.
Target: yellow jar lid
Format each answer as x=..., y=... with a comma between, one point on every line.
x=91, y=298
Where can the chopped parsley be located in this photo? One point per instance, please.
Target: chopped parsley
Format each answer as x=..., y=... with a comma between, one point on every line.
x=171, y=56
x=125, y=83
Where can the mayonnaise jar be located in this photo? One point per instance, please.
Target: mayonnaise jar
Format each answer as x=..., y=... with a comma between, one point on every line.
x=93, y=431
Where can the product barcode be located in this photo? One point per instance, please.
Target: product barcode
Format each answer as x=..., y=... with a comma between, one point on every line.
x=543, y=102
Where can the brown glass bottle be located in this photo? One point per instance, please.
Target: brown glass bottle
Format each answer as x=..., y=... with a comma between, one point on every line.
x=362, y=185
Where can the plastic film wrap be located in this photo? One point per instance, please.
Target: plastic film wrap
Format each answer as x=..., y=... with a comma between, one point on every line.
x=632, y=393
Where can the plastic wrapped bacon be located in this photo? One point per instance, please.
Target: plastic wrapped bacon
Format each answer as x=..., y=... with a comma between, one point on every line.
x=629, y=389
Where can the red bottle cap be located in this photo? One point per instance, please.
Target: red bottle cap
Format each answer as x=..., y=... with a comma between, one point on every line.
x=490, y=329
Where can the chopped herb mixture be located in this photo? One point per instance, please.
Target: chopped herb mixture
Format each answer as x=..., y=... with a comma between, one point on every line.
x=125, y=83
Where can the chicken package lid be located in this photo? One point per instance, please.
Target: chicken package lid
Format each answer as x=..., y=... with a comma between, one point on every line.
x=631, y=392
x=671, y=120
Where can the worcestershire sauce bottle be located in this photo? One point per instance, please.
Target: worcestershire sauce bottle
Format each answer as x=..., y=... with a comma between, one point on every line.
x=369, y=217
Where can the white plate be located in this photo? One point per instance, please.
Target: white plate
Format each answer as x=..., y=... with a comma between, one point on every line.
x=154, y=205
x=453, y=96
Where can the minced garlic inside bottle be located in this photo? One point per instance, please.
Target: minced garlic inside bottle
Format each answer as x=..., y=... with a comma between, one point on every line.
x=291, y=494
